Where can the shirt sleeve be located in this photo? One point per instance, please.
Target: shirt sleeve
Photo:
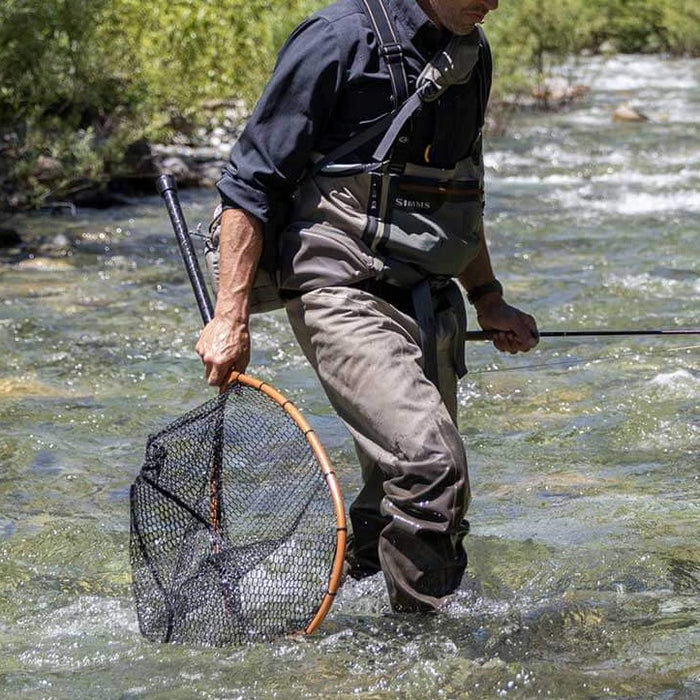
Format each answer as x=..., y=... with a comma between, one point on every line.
x=275, y=147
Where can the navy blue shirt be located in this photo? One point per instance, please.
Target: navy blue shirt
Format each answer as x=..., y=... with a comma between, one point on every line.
x=330, y=83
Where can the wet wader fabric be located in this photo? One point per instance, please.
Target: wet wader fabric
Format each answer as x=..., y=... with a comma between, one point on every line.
x=392, y=378
x=408, y=518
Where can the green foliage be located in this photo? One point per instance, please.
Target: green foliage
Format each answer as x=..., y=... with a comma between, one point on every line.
x=52, y=64
x=630, y=25
x=81, y=79
x=681, y=21
x=60, y=95
x=183, y=53
x=529, y=38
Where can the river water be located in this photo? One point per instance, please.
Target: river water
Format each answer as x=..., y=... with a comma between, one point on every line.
x=584, y=570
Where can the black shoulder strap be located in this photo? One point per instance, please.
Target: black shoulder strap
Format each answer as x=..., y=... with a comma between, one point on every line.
x=389, y=48
x=392, y=123
x=391, y=51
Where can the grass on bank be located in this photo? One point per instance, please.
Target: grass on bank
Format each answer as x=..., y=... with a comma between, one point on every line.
x=81, y=80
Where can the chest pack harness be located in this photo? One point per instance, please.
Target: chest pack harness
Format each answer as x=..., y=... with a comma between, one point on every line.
x=452, y=65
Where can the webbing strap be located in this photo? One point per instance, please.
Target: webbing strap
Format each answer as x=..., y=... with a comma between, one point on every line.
x=456, y=301
x=422, y=299
x=397, y=124
x=353, y=143
x=389, y=48
x=391, y=51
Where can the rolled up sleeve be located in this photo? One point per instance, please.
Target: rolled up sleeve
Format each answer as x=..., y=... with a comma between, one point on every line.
x=270, y=157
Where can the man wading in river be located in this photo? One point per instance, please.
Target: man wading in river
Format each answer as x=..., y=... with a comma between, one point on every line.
x=367, y=228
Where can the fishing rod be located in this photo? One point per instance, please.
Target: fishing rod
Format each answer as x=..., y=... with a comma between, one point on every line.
x=488, y=335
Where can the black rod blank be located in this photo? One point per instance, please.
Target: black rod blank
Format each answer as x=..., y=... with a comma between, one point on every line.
x=488, y=335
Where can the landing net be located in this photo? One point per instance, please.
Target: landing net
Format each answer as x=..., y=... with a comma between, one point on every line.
x=237, y=526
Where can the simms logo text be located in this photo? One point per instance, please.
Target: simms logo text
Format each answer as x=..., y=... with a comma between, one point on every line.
x=411, y=203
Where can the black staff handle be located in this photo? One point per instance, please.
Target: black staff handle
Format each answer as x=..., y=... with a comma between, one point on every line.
x=167, y=189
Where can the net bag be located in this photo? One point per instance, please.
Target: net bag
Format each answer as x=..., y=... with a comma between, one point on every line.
x=237, y=523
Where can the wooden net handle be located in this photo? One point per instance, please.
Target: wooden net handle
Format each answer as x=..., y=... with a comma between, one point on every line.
x=334, y=581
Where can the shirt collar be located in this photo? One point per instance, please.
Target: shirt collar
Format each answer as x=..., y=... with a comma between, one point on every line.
x=416, y=23
x=410, y=14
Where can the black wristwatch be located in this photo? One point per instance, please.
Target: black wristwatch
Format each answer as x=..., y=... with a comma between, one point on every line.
x=475, y=293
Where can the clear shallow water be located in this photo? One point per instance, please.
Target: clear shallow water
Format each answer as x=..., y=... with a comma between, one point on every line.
x=584, y=570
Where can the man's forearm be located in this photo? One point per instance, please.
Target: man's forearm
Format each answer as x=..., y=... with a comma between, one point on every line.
x=240, y=248
x=479, y=271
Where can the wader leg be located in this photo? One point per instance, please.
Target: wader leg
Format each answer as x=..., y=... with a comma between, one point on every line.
x=368, y=359
x=367, y=520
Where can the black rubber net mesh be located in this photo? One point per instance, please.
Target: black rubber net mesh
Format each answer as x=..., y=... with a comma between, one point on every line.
x=233, y=530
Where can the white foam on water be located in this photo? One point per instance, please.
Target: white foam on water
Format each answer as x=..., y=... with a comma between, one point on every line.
x=655, y=180
x=632, y=203
x=631, y=73
x=680, y=383
x=496, y=160
x=647, y=284
x=73, y=636
x=629, y=203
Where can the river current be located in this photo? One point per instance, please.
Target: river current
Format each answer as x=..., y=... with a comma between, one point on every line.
x=584, y=573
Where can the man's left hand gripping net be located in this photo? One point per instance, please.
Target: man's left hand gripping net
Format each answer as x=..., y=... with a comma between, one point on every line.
x=237, y=524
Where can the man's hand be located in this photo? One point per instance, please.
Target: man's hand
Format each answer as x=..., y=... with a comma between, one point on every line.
x=224, y=344
x=224, y=348
x=513, y=330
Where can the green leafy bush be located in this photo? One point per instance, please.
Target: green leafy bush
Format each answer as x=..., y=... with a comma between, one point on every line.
x=81, y=79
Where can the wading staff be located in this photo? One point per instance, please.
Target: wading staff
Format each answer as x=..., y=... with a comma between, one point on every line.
x=167, y=189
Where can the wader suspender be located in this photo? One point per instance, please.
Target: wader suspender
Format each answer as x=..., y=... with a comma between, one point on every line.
x=391, y=51
x=396, y=140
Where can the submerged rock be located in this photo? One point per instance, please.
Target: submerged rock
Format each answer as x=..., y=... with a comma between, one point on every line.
x=9, y=238
x=627, y=113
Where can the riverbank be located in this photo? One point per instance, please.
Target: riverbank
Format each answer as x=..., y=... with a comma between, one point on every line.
x=90, y=89
x=196, y=157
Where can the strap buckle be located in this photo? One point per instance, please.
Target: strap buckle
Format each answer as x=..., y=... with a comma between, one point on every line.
x=392, y=52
